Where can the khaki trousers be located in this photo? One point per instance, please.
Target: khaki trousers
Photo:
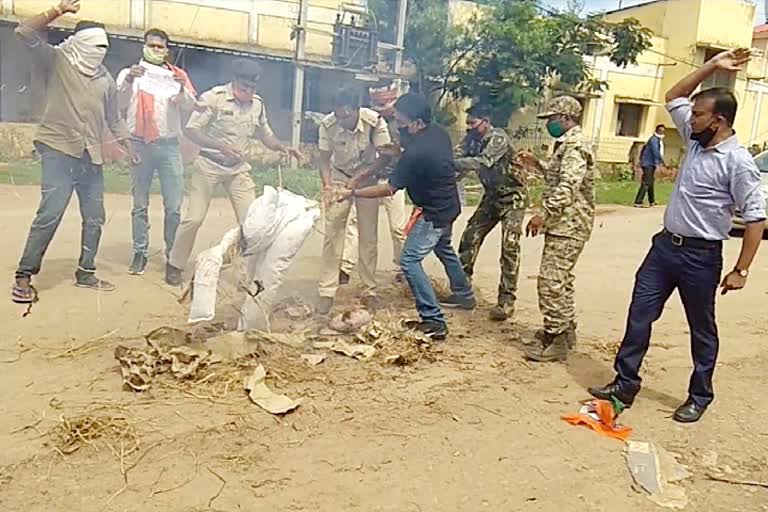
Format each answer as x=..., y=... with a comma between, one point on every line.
x=337, y=218
x=240, y=189
x=394, y=206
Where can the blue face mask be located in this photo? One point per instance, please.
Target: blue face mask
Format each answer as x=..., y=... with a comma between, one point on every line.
x=555, y=129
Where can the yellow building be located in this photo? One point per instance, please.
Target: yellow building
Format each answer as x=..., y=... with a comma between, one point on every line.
x=686, y=34
x=338, y=46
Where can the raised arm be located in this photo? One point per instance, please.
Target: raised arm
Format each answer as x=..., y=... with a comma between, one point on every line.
x=728, y=61
x=29, y=30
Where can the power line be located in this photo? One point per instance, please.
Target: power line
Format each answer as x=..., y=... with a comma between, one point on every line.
x=680, y=60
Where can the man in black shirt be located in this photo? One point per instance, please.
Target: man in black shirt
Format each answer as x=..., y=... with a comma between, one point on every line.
x=426, y=171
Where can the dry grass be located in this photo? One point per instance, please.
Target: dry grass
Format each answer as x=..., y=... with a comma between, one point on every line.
x=72, y=433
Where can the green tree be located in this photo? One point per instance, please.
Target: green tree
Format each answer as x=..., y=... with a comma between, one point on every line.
x=512, y=49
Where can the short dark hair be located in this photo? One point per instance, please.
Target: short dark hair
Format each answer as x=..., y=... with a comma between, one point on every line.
x=479, y=111
x=659, y=126
x=246, y=69
x=86, y=24
x=414, y=107
x=346, y=97
x=725, y=103
x=156, y=32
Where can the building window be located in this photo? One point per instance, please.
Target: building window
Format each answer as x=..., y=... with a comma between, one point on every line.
x=721, y=77
x=629, y=119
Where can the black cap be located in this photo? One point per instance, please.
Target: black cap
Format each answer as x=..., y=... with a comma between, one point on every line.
x=246, y=70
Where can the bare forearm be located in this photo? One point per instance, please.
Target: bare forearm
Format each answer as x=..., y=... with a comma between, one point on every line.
x=375, y=191
x=365, y=172
x=203, y=140
x=685, y=87
x=325, y=168
x=753, y=235
x=272, y=143
x=42, y=20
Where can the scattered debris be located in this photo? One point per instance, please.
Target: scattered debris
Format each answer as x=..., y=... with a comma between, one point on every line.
x=264, y=397
x=600, y=416
x=73, y=433
x=351, y=321
x=294, y=308
x=736, y=481
x=359, y=351
x=294, y=340
x=400, y=346
x=166, y=353
x=313, y=359
x=656, y=472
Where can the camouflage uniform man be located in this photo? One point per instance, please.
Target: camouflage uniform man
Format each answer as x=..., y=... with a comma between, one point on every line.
x=566, y=218
x=504, y=201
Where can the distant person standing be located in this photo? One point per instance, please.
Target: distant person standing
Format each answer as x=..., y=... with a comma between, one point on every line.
x=80, y=112
x=155, y=123
x=651, y=158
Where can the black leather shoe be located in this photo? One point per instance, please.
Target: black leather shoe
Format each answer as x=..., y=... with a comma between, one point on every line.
x=689, y=412
x=612, y=390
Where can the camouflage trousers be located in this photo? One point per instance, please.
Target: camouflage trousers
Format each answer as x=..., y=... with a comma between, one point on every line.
x=555, y=285
x=485, y=218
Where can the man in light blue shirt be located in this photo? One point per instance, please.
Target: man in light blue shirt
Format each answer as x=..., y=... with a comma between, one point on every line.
x=716, y=176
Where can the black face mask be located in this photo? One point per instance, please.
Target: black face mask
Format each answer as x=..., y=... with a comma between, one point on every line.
x=473, y=143
x=705, y=136
x=405, y=135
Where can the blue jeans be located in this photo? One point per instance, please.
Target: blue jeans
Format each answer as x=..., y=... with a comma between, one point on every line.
x=61, y=175
x=163, y=156
x=695, y=273
x=423, y=239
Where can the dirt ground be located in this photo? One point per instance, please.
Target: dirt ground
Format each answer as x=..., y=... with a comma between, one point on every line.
x=475, y=429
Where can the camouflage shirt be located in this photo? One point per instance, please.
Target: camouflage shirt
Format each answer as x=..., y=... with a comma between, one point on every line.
x=568, y=200
x=502, y=179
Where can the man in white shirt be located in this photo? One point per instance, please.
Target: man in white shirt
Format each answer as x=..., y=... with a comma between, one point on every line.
x=155, y=97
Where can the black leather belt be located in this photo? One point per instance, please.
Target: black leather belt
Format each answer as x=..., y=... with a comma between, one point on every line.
x=694, y=243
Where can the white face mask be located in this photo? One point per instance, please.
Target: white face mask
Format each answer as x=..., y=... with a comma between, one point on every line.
x=86, y=49
x=660, y=135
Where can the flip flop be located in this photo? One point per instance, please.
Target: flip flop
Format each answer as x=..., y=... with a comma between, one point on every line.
x=23, y=294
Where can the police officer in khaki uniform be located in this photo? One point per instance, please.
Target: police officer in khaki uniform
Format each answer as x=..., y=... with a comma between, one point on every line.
x=227, y=118
x=349, y=141
x=382, y=101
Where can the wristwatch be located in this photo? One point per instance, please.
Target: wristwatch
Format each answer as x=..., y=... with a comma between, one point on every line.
x=743, y=273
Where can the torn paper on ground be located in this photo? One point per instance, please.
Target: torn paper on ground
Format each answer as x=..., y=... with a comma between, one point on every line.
x=313, y=359
x=656, y=472
x=358, y=351
x=139, y=367
x=264, y=397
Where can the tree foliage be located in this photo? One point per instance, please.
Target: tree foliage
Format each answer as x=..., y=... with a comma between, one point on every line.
x=511, y=49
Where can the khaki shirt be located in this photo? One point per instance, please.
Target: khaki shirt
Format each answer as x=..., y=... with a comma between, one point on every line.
x=351, y=149
x=80, y=110
x=230, y=121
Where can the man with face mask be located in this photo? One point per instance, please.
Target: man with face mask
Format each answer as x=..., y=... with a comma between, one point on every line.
x=351, y=140
x=80, y=112
x=651, y=158
x=489, y=154
x=227, y=118
x=716, y=176
x=566, y=217
x=426, y=171
x=154, y=121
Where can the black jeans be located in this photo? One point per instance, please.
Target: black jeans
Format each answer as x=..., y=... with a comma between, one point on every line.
x=646, y=185
x=695, y=273
x=62, y=174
